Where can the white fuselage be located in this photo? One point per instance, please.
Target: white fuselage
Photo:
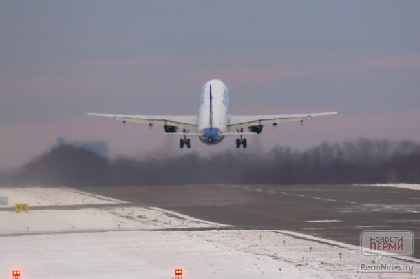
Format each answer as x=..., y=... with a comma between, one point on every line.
x=213, y=122
x=213, y=113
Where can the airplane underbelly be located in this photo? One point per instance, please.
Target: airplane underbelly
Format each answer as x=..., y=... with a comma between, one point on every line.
x=211, y=136
x=212, y=118
x=213, y=142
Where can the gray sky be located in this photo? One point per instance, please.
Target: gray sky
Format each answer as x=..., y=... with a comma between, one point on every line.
x=61, y=59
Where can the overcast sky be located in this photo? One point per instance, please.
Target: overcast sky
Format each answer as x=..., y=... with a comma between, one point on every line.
x=62, y=59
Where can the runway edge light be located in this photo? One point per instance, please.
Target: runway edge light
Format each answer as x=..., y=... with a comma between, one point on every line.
x=178, y=271
x=16, y=273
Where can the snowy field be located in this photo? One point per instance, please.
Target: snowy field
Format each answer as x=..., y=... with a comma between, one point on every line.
x=398, y=185
x=52, y=196
x=121, y=241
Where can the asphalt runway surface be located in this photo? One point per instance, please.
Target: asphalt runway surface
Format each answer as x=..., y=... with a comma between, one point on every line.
x=335, y=212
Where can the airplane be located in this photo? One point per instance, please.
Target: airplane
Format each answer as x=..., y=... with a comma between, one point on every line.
x=213, y=122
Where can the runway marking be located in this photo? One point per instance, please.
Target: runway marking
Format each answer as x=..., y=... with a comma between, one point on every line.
x=315, y=198
x=404, y=221
x=352, y=202
x=364, y=226
x=324, y=221
x=323, y=199
x=379, y=207
x=392, y=208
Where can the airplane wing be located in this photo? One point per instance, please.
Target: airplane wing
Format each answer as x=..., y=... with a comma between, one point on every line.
x=242, y=121
x=180, y=121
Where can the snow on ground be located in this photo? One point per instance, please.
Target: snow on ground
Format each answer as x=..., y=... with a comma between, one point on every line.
x=113, y=218
x=52, y=196
x=133, y=242
x=398, y=185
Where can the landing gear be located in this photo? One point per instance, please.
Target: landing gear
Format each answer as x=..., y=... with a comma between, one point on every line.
x=240, y=142
x=184, y=141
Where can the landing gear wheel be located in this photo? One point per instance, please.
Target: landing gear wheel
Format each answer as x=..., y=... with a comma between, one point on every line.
x=181, y=143
x=238, y=143
x=188, y=143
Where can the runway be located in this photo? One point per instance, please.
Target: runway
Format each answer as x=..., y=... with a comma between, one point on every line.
x=260, y=232
x=335, y=212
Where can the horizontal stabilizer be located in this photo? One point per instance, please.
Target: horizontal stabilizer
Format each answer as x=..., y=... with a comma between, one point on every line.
x=238, y=133
x=181, y=121
x=185, y=134
x=239, y=121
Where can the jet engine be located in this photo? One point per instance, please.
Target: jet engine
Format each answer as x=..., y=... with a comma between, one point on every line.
x=170, y=129
x=256, y=129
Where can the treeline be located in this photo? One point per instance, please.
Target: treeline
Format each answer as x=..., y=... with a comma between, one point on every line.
x=361, y=161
